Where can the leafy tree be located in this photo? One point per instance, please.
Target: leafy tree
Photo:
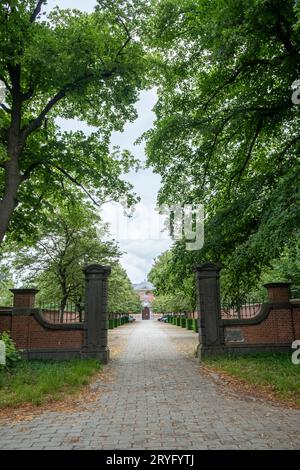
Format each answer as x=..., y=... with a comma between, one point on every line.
x=168, y=303
x=285, y=268
x=160, y=274
x=68, y=64
x=162, y=304
x=174, y=291
x=227, y=132
x=70, y=240
x=6, y=283
x=121, y=296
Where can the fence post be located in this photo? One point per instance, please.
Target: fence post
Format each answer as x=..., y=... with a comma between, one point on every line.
x=96, y=296
x=211, y=331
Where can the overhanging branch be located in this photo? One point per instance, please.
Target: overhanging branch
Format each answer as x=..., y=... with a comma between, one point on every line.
x=6, y=109
x=250, y=150
x=36, y=123
x=73, y=180
x=36, y=11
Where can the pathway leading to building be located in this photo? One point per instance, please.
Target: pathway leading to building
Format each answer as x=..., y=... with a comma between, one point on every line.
x=158, y=398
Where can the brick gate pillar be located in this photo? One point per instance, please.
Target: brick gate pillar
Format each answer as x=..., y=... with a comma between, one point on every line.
x=96, y=316
x=24, y=298
x=278, y=292
x=211, y=332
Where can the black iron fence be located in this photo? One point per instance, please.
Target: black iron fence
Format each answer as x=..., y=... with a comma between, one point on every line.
x=55, y=313
x=243, y=310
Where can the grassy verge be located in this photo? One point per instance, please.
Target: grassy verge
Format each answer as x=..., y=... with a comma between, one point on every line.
x=38, y=382
x=265, y=372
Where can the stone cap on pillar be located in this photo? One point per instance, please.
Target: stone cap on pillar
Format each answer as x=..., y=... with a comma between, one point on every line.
x=208, y=269
x=97, y=269
x=278, y=291
x=24, y=297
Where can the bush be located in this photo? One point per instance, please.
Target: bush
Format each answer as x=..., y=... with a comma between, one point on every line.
x=12, y=353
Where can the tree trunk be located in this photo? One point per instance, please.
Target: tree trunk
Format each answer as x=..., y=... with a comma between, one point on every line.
x=15, y=144
x=63, y=304
x=9, y=201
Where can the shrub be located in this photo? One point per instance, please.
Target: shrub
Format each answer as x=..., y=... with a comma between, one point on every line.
x=12, y=353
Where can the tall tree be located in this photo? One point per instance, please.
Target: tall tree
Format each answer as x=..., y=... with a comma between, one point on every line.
x=174, y=283
x=121, y=296
x=227, y=132
x=71, y=238
x=68, y=64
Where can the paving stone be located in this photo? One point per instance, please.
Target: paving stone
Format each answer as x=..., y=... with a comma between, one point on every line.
x=158, y=398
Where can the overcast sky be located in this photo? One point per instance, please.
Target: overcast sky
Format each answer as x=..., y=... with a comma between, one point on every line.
x=140, y=237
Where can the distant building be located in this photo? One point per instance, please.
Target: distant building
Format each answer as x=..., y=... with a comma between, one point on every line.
x=145, y=292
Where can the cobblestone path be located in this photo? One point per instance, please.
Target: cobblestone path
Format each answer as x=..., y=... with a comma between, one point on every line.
x=158, y=398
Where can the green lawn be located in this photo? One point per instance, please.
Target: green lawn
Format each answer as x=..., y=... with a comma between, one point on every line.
x=37, y=382
x=269, y=371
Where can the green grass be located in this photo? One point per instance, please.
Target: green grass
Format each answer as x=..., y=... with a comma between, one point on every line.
x=271, y=371
x=37, y=382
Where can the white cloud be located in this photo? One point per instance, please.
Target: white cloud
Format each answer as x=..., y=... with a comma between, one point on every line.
x=140, y=256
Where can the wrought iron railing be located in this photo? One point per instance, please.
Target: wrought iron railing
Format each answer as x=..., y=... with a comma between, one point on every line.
x=243, y=310
x=55, y=313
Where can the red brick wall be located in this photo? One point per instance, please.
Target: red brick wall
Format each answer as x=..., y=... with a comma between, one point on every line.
x=39, y=336
x=5, y=321
x=280, y=326
x=29, y=334
x=296, y=321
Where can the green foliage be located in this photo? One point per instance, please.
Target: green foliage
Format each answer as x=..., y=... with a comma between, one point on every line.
x=13, y=356
x=70, y=65
x=6, y=283
x=227, y=133
x=71, y=238
x=174, y=293
x=168, y=303
x=121, y=296
x=285, y=269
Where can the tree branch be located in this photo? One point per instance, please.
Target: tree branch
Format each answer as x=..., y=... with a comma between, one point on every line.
x=6, y=109
x=28, y=94
x=283, y=35
x=29, y=170
x=249, y=153
x=36, y=123
x=128, y=39
x=237, y=72
x=71, y=178
x=36, y=11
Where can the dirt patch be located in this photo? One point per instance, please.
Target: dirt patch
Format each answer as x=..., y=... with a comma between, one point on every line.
x=185, y=341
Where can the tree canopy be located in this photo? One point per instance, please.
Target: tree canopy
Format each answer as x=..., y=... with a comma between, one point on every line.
x=73, y=237
x=227, y=132
x=66, y=64
x=174, y=291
